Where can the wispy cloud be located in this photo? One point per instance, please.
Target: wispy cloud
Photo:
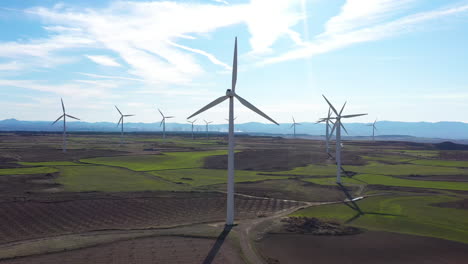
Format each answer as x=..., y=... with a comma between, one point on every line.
x=337, y=37
x=104, y=60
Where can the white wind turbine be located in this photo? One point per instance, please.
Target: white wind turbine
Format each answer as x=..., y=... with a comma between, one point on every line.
x=192, y=122
x=121, y=122
x=163, y=122
x=207, y=123
x=64, y=116
x=374, y=128
x=338, y=125
x=230, y=94
x=294, y=124
x=328, y=136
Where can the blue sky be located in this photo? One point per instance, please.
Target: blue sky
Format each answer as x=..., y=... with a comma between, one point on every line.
x=400, y=60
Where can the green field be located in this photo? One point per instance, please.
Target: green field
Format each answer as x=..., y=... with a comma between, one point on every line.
x=401, y=214
x=202, y=177
x=405, y=169
x=111, y=179
x=165, y=161
x=33, y=170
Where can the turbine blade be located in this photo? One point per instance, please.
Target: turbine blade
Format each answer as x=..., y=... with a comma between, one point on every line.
x=170, y=116
x=341, y=124
x=331, y=106
x=161, y=113
x=331, y=122
x=349, y=116
x=234, y=67
x=57, y=119
x=329, y=112
x=72, y=117
x=253, y=108
x=120, y=120
x=118, y=109
x=128, y=115
x=63, y=106
x=294, y=121
x=208, y=106
x=291, y=125
x=162, y=121
x=342, y=108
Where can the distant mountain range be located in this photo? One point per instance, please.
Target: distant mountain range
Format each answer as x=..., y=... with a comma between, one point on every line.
x=442, y=130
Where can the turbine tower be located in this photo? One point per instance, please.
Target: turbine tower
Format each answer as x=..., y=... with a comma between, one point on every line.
x=294, y=124
x=163, y=122
x=121, y=122
x=192, y=122
x=64, y=116
x=338, y=125
x=231, y=94
x=374, y=128
x=328, y=136
x=207, y=123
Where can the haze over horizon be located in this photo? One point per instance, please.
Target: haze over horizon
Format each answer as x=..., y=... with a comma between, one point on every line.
x=396, y=60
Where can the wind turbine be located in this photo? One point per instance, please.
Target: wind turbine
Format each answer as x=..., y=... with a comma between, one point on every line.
x=121, y=122
x=192, y=122
x=338, y=125
x=163, y=122
x=230, y=94
x=294, y=124
x=64, y=116
x=373, y=129
x=327, y=121
x=207, y=123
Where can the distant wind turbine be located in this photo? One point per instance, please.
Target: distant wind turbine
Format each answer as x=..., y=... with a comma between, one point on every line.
x=192, y=122
x=338, y=125
x=374, y=128
x=230, y=94
x=64, y=116
x=328, y=136
x=121, y=122
x=207, y=123
x=294, y=124
x=163, y=122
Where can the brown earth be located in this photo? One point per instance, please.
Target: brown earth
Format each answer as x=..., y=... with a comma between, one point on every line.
x=66, y=215
x=20, y=185
x=151, y=250
x=453, y=155
x=368, y=247
x=315, y=226
x=289, y=189
x=276, y=160
x=461, y=204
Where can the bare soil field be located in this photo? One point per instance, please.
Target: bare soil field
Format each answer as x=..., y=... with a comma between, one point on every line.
x=170, y=249
x=461, y=204
x=49, y=217
x=276, y=159
x=368, y=247
x=290, y=189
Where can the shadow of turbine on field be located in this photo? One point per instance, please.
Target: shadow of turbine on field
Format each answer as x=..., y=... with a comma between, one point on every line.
x=353, y=205
x=217, y=245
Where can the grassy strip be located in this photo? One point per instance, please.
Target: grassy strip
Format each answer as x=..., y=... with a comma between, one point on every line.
x=201, y=177
x=34, y=170
x=405, y=169
x=392, y=181
x=169, y=160
x=401, y=214
x=442, y=163
x=110, y=179
x=51, y=163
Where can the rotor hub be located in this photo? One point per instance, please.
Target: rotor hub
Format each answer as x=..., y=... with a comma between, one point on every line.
x=229, y=93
